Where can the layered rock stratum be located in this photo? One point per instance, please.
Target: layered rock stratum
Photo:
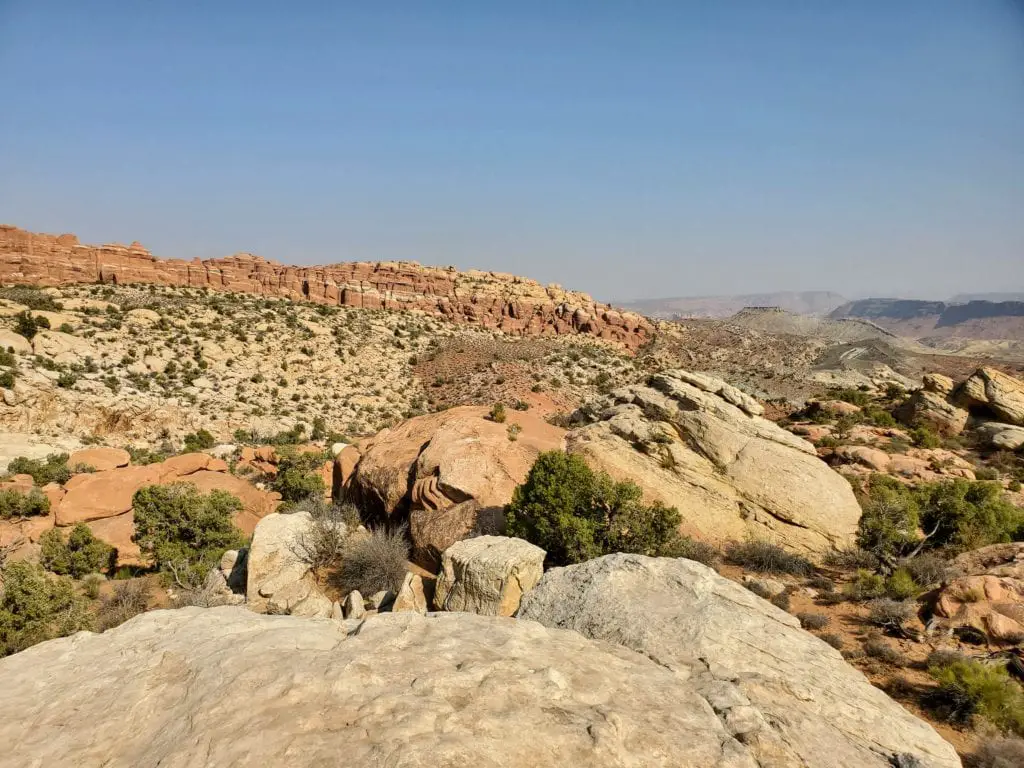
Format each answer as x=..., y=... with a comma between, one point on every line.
x=512, y=304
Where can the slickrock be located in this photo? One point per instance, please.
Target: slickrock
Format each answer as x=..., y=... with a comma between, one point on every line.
x=788, y=696
x=512, y=304
x=224, y=686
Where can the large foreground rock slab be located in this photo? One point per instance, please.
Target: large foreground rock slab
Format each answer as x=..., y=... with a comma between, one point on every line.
x=730, y=472
x=787, y=695
x=226, y=687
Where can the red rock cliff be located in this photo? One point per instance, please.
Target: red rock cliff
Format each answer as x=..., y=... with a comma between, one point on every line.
x=494, y=300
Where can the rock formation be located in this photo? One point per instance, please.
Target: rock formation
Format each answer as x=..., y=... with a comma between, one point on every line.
x=511, y=304
x=225, y=686
x=697, y=444
x=431, y=467
x=990, y=391
x=790, y=698
x=488, y=575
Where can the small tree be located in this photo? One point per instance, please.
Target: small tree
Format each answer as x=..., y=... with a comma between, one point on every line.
x=889, y=525
x=80, y=554
x=14, y=503
x=298, y=476
x=576, y=514
x=36, y=607
x=199, y=441
x=968, y=514
x=184, y=531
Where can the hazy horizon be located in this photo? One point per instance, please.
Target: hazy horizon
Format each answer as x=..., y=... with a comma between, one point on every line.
x=650, y=151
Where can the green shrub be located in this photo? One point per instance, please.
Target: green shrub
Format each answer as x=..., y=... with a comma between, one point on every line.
x=880, y=418
x=890, y=520
x=765, y=557
x=184, y=531
x=969, y=688
x=199, y=441
x=924, y=437
x=36, y=607
x=7, y=379
x=26, y=325
x=14, y=503
x=890, y=614
x=298, y=476
x=497, y=413
x=576, y=514
x=901, y=585
x=53, y=469
x=374, y=563
x=691, y=549
x=969, y=514
x=855, y=396
x=79, y=554
x=865, y=586
x=67, y=380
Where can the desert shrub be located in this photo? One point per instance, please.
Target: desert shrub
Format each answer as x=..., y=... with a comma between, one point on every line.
x=14, y=503
x=185, y=531
x=821, y=583
x=321, y=544
x=79, y=554
x=943, y=657
x=513, y=431
x=691, y=549
x=35, y=607
x=27, y=325
x=855, y=396
x=880, y=418
x=833, y=639
x=998, y=753
x=67, y=380
x=967, y=689
x=91, y=585
x=926, y=569
x=32, y=297
x=759, y=589
x=923, y=437
x=199, y=441
x=851, y=559
x=986, y=473
x=901, y=585
x=968, y=514
x=813, y=620
x=298, y=476
x=890, y=614
x=128, y=599
x=375, y=562
x=877, y=648
x=781, y=600
x=865, y=586
x=765, y=557
x=576, y=514
x=890, y=520
x=7, y=379
x=497, y=413
x=52, y=469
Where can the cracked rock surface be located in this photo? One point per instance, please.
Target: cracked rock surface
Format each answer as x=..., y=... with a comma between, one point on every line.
x=790, y=698
x=225, y=686
x=700, y=445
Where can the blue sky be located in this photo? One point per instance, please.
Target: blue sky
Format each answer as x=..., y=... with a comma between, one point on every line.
x=633, y=149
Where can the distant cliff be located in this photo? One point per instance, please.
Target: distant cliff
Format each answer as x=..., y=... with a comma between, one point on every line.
x=974, y=319
x=797, y=302
x=505, y=302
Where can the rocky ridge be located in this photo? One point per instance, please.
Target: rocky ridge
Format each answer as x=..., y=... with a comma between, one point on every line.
x=512, y=304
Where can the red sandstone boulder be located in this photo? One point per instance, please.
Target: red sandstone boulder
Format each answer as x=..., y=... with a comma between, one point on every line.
x=99, y=458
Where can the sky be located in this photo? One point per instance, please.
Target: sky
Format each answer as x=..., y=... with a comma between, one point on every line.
x=628, y=149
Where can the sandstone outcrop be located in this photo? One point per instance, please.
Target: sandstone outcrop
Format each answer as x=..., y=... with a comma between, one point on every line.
x=99, y=458
x=279, y=580
x=729, y=472
x=225, y=686
x=429, y=466
x=1005, y=437
x=488, y=575
x=505, y=302
x=933, y=409
x=789, y=697
x=994, y=392
x=986, y=593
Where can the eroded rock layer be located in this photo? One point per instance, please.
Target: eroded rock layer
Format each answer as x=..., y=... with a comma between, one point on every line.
x=506, y=302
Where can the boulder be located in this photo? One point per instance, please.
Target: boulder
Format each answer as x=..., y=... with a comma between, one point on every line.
x=992, y=392
x=729, y=474
x=1004, y=437
x=345, y=461
x=434, y=530
x=99, y=495
x=442, y=459
x=788, y=696
x=11, y=340
x=932, y=409
x=99, y=458
x=353, y=607
x=488, y=575
x=142, y=316
x=278, y=580
x=991, y=604
x=410, y=597
x=937, y=382
x=62, y=347
x=832, y=408
x=183, y=687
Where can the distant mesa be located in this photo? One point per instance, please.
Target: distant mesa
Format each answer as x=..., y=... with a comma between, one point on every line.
x=975, y=319
x=511, y=304
x=681, y=307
